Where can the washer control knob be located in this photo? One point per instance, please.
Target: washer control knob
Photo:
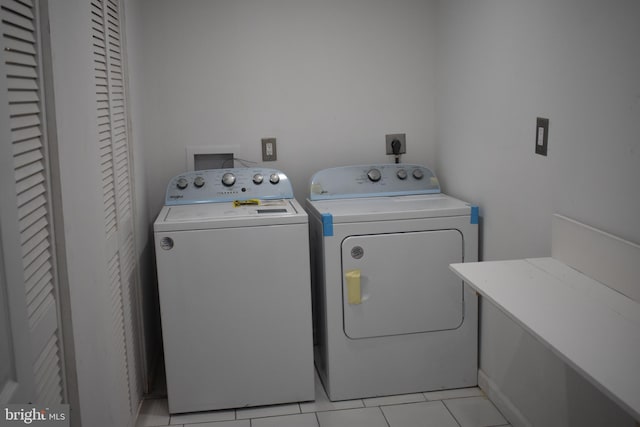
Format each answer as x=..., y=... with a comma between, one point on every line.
x=198, y=182
x=374, y=175
x=182, y=183
x=228, y=179
x=417, y=174
x=274, y=178
x=258, y=178
x=402, y=174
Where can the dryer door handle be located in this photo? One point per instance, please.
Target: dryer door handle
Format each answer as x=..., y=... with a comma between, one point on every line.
x=354, y=292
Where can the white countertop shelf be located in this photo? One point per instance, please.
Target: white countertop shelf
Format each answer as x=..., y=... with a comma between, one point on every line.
x=590, y=326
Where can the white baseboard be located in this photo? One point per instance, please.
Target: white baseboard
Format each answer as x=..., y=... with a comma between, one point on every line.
x=502, y=402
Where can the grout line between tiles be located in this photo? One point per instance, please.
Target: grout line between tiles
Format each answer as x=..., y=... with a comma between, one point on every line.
x=449, y=411
x=400, y=403
x=385, y=417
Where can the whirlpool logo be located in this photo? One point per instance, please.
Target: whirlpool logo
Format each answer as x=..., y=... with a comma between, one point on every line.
x=20, y=415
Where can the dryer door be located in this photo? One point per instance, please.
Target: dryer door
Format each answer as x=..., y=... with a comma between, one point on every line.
x=400, y=283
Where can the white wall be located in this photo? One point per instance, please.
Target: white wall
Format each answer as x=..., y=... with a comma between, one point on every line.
x=500, y=65
x=503, y=64
x=328, y=79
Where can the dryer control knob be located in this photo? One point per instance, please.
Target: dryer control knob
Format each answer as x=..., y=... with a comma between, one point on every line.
x=182, y=183
x=417, y=174
x=402, y=174
x=274, y=178
x=228, y=179
x=198, y=182
x=374, y=175
x=258, y=178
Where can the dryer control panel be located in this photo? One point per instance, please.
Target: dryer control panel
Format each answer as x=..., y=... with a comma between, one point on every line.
x=226, y=185
x=376, y=180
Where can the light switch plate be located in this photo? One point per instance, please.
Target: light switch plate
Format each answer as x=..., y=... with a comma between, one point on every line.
x=542, y=135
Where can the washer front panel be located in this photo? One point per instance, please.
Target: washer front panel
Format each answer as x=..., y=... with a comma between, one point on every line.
x=236, y=316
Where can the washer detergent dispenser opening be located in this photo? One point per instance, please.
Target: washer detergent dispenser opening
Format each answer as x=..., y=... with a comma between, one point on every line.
x=232, y=251
x=389, y=315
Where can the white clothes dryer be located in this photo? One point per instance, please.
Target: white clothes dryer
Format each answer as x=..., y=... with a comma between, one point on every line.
x=390, y=317
x=232, y=255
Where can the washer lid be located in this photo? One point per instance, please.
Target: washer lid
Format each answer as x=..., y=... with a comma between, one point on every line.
x=226, y=215
x=395, y=207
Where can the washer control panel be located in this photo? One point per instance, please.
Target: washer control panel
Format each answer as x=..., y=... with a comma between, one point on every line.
x=226, y=185
x=373, y=181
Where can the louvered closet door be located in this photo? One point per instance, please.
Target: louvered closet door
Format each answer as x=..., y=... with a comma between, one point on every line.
x=114, y=162
x=21, y=58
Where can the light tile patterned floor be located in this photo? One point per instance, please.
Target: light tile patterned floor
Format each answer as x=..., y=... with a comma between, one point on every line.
x=467, y=407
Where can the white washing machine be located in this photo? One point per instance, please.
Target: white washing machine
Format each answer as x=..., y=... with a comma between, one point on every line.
x=390, y=318
x=232, y=255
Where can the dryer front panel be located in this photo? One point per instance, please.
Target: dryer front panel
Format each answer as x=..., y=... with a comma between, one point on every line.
x=400, y=283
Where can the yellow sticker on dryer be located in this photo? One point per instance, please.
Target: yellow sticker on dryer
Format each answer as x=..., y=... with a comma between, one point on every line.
x=354, y=294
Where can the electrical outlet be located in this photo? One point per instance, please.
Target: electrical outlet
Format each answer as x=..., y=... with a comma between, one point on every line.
x=269, y=152
x=542, y=135
x=401, y=137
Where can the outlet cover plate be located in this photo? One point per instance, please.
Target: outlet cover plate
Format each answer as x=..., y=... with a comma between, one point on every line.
x=269, y=151
x=400, y=137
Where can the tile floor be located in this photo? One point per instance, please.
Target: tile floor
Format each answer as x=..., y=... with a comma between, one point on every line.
x=467, y=407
